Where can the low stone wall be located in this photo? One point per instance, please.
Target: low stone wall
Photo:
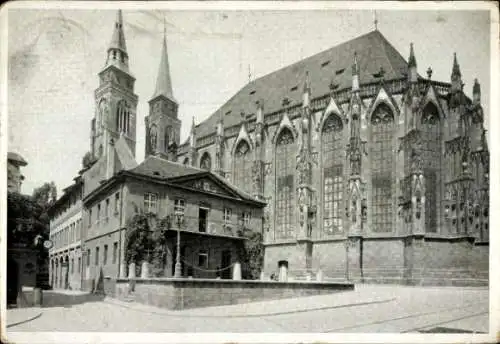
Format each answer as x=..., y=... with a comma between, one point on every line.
x=191, y=293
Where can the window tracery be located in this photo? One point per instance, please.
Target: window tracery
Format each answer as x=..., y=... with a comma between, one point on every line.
x=333, y=181
x=285, y=169
x=431, y=145
x=243, y=166
x=382, y=130
x=206, y=162
x=123, y=117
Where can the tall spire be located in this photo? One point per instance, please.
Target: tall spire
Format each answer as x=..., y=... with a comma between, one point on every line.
x=163, y=81
x=307, y=91
x=117, y=50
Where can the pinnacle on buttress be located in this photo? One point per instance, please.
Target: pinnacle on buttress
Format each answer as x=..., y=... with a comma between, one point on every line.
x=220, y=124
x=117, y=50
x=412, y=66
x=476, y=92
x=355, y=73
x=456, y=75
x=192, y=135
x=163, y=80
x=260, y=111
x=307, y=91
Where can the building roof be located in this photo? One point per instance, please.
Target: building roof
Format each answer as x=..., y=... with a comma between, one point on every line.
x=160, y=168
x=16, y=159
x=373, y=53
x=177, y=173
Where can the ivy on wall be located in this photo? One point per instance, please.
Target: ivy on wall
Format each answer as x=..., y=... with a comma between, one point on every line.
x=251, y=254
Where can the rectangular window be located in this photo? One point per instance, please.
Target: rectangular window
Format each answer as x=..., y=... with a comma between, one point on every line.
x=72, y=265
x=115, y=251
x=96, y=256
x=150, y=203
x=246, y=218
x=88, y=257
x=106, y=210
x=179, y=206
x=117, y=202
x=105, y=255
x=203, y=258
x=90, y=218
x=227, y=215
x=79, y=263
x=98, y=212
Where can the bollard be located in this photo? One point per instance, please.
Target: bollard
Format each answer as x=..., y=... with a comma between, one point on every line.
x=131, y=270
x=237, y=271
x=145, y=270
x=319, y=275
x=37, y=297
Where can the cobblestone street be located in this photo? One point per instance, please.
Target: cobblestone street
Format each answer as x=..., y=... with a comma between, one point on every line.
x=381, y=309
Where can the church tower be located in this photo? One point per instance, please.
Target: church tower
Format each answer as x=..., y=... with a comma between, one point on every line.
x=162, y=125
x=115, y=100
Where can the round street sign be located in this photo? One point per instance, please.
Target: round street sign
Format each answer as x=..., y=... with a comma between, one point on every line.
x=47, y=244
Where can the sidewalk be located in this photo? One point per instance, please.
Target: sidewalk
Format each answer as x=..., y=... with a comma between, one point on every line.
x=266, y=308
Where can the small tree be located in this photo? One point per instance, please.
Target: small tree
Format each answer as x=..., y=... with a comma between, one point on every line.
x=138, y=238
x=251, y=254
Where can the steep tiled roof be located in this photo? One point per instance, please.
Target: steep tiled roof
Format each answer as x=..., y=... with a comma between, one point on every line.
x=157, y=167
x=373, y=51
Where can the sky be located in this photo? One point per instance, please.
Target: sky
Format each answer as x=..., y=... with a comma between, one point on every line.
x=54, y=57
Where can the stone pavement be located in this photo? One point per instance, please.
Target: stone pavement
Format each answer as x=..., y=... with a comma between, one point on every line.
x=370, y=308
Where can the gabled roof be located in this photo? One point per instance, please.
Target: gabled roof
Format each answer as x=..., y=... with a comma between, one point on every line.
x=373, y=52
x=178, y=174
x=157, y=167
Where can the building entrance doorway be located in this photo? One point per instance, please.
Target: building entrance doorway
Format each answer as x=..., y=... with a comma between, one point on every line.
x=225, y=262
x=202, y=216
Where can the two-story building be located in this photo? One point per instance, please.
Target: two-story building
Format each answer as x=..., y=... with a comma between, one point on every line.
x=212, y=213
x=65, y=266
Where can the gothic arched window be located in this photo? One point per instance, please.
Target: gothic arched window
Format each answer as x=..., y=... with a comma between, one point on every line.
x=102, y=114
x=382, y=130
x=285, y=169
x=206, y=161
x=123, y=117
x=332, y=153
x=168, y=137
x=243, y=166
x=153, y=137
x=431, y=145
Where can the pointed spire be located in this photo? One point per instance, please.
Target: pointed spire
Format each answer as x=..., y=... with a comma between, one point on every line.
x=456, y=67
x=355, y=73
x=412, y=66
x=117, y=50
x=118, y=39
x=260, y=111
x=476, y=92
x=412, y=62
x=456, y=75
x=192, y=136
x=220, y=124
x=307, y=91
x=163, y=81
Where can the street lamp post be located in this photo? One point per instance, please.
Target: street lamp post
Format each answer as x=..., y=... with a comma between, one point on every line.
x=179, y=216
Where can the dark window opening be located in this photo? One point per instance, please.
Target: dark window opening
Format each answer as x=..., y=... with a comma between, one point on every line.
x=202, y=215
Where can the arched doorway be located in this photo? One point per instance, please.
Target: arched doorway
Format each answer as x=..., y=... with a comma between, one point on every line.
x=12, y=281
